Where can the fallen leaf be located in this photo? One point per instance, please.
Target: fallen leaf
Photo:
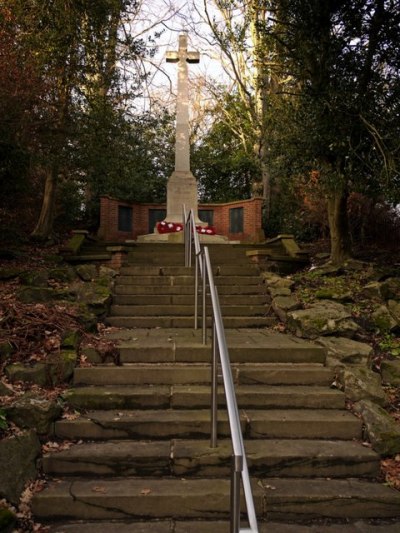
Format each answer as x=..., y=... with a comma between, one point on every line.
x=99, y=489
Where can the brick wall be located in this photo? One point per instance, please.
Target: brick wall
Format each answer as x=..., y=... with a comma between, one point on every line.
x=252, y=218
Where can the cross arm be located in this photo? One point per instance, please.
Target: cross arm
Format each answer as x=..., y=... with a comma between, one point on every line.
x=172, y=57
x=193, y=57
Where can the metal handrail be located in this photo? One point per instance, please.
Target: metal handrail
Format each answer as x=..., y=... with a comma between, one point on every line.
x=220, y=352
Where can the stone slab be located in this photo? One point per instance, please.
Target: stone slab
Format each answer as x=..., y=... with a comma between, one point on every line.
x=114, y=397
x=136, y=497
x=149, y=424
x=261, y=396
x=329, y=498
x=272, y=457
x=207, y=526
x=300, y=423
x=111, y=458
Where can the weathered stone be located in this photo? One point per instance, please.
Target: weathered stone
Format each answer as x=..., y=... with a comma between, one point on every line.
x=17, y=464
x=323, y=318
x=372, y=290
x=60, y=368
x=274, y=281
x=282, y=304
x=322, y=256
x=328, y=270
x=34, y=412
x=64, y=274
x=35, y=374
x=279, y=291
x=87, y=318
x=382, y=429
x=7, y=273
x=96, y=297
x=390, y=371
x=29, y=295
x=362, y=384
x=346, y=350
x=391, y=289
x=394, y=309
x=383, y=319
x=75, y=243
x=86, y=272
x=70, y=339
x=332, y=294
x=34, y=278
x=107, y=272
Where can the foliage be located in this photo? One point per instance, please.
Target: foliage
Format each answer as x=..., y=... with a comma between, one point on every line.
x=343, y=95
x=225, y=168
x=68, y=133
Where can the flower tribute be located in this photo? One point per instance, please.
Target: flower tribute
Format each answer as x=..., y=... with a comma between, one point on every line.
x=176, y=227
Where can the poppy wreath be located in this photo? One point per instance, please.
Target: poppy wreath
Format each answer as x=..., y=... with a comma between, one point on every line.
x=175, y=227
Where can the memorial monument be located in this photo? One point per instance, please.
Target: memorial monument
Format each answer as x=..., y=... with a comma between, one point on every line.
x=182, y=186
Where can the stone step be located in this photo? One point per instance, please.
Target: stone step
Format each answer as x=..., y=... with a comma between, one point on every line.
x=172, y=281
x=151, y=351
x=188, y=299
x=198, y=396
x=277, y=499
x=220, y=526
x=187, y=321
x=184, y=310
x=188, y=289
x=183, y=458
x=162, y=424
x=218, y=270
x=186, y=374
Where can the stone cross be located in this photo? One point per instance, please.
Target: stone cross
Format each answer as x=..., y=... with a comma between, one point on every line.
x=182, y=186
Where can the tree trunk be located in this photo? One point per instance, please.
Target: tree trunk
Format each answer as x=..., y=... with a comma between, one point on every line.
x=338, y=226
x=44, y=226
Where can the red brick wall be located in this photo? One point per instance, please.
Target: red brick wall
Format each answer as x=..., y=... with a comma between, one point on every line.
x=252, y=211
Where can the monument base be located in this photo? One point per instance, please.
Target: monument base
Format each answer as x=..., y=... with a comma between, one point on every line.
x=177, y=238
x=182, y=191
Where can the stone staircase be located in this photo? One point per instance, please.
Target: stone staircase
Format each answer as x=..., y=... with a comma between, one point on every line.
x=155, y=290
x=142, y=461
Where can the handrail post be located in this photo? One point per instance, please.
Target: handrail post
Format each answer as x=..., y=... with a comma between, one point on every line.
x=214, y=389
x=204, y=299
x=237, y=465
x=196, y=293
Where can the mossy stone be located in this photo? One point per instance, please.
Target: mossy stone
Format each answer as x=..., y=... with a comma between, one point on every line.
x=34, y=278
x=70, y=339
x=75, y=242
x=383, y=320
x=19, y=372
x=63, y=274
x=7, y=273
x=34, y=412
x=391, y=289
x=7, y=520
x=86, y=272
x=60, y=368
x=30, y=295
x=391, y=372
x=382, y=429
x=18, y=457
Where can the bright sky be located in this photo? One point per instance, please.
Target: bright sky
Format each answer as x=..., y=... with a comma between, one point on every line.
x=164, y=20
